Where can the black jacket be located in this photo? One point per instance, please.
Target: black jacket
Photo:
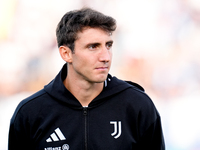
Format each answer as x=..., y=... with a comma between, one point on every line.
x=121, y=117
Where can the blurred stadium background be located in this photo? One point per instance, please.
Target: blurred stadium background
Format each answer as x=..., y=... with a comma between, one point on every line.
x=157, y=44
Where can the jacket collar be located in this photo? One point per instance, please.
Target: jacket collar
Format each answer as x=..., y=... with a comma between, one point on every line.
x=58, y=91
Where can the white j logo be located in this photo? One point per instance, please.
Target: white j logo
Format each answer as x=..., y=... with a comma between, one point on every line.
x=115, y=129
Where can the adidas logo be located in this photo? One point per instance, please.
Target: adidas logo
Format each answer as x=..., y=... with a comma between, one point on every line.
x=56, y=136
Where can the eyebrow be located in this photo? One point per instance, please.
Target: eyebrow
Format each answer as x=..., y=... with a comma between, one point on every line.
x=111, y=41
x=97, y=44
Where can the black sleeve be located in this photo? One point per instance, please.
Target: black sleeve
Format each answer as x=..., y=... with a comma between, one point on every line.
x=153, y=137
x=19, y=138
x=149, y=126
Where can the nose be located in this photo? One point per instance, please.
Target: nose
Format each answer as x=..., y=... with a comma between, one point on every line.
x=105, y=55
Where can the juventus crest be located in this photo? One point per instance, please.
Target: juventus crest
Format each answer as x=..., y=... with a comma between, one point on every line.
x=117, y=129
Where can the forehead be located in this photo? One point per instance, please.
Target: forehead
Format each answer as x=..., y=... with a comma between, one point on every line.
x=93, y=34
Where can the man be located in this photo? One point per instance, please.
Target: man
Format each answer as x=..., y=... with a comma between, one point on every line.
x=84, y=107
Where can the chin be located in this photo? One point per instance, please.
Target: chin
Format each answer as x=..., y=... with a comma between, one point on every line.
x=99, y=78
x=102, y=79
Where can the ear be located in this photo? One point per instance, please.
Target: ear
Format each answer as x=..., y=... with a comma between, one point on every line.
x=65, y=53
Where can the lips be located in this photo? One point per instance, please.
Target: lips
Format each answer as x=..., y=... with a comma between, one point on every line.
x=101, y=68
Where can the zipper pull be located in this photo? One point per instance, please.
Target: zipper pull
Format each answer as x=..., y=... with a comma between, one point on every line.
x=84, y=111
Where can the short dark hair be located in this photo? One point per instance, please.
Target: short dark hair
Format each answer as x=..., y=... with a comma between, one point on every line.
x=74, y=21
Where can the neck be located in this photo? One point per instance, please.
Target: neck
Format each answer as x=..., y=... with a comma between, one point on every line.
x=84, y=91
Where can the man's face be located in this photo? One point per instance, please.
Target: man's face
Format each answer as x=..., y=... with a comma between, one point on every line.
x=92, y=55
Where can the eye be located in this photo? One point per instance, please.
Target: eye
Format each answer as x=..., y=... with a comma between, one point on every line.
x=93, y=46
x=109, y=45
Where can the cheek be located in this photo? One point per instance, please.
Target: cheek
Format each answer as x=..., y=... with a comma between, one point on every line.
x=81, y=61
x=110, y=55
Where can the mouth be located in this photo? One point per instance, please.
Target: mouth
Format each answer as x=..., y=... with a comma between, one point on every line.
x=102, y=68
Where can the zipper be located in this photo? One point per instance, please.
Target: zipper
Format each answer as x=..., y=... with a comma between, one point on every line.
x=85, y=127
